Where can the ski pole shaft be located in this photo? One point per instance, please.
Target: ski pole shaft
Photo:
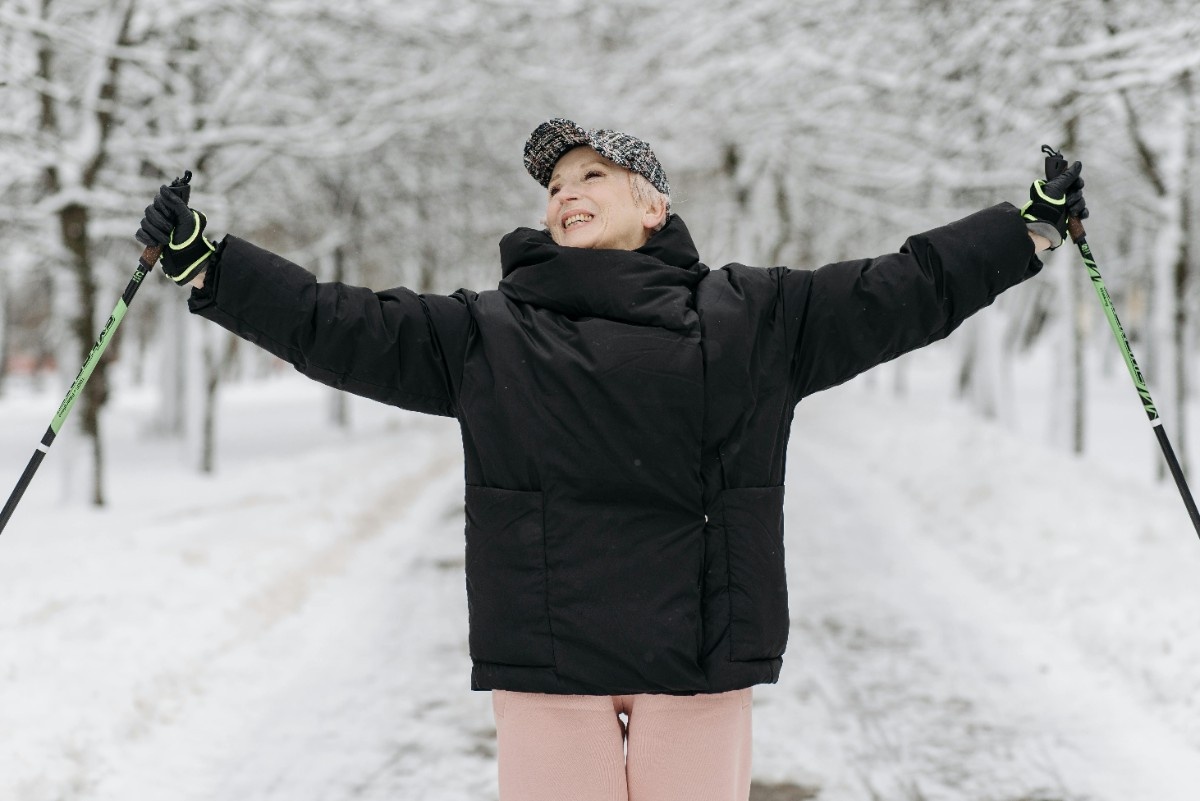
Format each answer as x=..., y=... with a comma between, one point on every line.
x=145, y=265
x=1055, y=164
x=1139, y=382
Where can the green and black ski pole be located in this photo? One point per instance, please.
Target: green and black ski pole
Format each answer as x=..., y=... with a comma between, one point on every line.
x=1055, y=165
x=145, y=265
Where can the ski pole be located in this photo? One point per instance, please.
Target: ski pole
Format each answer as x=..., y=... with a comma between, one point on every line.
x=1055, y=165
x=146, y=264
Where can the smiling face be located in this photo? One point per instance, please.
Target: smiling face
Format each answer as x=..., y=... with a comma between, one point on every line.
x=592, y=205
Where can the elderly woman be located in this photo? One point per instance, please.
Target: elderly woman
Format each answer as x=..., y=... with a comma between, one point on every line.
x=625, y=413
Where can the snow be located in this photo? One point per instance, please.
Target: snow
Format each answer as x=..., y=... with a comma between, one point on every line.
x=974, y=614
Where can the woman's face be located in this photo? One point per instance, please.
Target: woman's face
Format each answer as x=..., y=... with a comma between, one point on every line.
x=591, y=204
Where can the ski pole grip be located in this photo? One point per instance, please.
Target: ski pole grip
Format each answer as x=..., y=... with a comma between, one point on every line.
x=1056, y=165
x=182, y=187
x=150, y=256
x=1075, y=229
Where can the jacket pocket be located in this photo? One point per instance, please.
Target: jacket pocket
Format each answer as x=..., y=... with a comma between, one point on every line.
x=758, y=604
x=506, y=578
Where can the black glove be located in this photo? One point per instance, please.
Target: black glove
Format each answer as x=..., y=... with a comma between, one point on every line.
x=179, y=231
x=1052, y=202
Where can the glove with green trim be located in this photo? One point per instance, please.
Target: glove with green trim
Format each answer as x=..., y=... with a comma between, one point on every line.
x=1052, y=202
x=170, y=224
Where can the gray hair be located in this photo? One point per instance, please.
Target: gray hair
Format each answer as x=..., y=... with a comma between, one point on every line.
x=646, y=193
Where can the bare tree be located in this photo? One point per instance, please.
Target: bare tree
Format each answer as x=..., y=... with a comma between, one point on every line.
x=1143, y=69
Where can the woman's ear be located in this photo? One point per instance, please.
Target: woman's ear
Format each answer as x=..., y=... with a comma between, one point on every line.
x=655, y=213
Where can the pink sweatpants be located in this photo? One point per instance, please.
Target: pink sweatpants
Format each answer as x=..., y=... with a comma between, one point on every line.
x=573, y=747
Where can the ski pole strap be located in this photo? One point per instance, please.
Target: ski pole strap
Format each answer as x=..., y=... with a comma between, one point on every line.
x=1056, y=163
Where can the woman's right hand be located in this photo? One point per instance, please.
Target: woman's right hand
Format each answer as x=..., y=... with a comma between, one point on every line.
x=169, y=223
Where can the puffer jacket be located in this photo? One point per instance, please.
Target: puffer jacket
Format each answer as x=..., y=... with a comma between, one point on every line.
x=625, y=416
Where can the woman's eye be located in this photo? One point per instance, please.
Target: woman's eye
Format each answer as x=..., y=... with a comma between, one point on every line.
x=553, y=191
x=593, y=174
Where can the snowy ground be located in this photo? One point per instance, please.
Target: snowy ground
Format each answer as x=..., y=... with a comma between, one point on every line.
x=974, y=616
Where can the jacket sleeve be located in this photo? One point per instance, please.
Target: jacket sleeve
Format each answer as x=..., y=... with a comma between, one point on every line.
x=395, y=346
x=847, y=317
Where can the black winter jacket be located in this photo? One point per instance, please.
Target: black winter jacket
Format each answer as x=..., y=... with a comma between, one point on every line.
x=624, y=418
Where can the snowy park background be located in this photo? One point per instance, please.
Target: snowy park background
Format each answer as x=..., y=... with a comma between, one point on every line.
x=227, y=582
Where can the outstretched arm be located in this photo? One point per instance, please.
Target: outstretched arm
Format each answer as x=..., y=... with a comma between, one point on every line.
x=396, y=346
x=848, y=317
x=851, y=316
x=393, y=346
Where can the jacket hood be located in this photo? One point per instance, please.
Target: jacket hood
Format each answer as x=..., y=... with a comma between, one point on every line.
x=652, y=285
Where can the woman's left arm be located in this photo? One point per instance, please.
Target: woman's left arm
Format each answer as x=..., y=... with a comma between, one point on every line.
x=847, y=317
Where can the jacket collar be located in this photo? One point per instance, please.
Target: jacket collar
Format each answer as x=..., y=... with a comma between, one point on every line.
x=648, y=286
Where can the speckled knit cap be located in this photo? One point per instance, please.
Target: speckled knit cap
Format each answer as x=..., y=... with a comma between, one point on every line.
x=550, y=140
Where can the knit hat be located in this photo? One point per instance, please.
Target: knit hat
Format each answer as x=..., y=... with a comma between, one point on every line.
x=550, y=140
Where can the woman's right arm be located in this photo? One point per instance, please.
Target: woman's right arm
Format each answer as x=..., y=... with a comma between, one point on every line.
x=394, y=346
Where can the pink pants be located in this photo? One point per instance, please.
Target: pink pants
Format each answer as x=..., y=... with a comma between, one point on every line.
x=573, y=747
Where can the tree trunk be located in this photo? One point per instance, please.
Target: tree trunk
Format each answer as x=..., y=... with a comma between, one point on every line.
x=91, y=129
x=979, y=369
x=170, y=413
x=1182, y=272
x=1170, y=280
x=215, y=368
x=74, y=223
x=208, y=432
x=1073, y=283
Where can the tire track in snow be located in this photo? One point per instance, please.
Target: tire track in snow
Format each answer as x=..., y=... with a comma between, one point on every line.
x=934, y=682
x=164, y=699
x=287, y=593
x=377, y=710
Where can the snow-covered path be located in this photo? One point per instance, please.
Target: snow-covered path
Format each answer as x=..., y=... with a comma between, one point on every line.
x=955, y=637
x=294, y=628
x=973, y=618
